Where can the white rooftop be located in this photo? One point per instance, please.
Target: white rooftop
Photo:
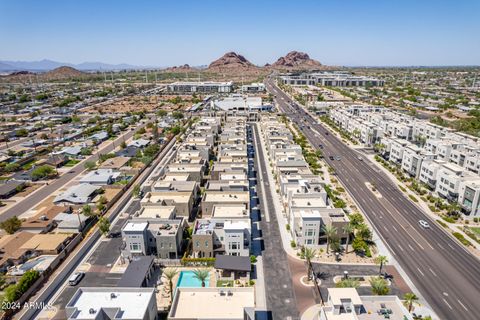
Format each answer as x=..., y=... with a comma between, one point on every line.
x=135, y=226
x=132, y=303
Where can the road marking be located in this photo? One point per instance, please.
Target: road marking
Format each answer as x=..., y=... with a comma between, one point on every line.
x=433, y=272
x=438, y=244
x=386, y=229
x=401, y=247
x=421, y=272
x=374, y=214
x=447, y=304
x=411, y=247
x=395, y=228
x=462, y=305
x=450, y=245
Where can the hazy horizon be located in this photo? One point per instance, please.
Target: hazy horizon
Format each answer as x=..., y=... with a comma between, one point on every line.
x=147, y=33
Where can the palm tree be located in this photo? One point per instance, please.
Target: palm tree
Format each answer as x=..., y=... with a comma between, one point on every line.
x=170, y=273
x=381, y=260
x=348, y=229
x=202, y=275
x=409, y=299
x=379, y=286
x=309, y=254
x=330, y=231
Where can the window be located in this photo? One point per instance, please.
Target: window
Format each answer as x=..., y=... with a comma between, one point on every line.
x=197, y=244
x=206, y=244
x=135, y=247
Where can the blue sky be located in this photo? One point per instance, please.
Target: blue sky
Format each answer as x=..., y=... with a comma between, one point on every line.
x=165, y=33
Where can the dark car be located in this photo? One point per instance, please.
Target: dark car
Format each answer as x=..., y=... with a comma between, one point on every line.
x=320, y=146
x=331, y=157
x=326, y=133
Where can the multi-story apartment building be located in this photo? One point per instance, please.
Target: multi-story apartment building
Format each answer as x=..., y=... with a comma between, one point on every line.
x=200, y=87
x=221, y=236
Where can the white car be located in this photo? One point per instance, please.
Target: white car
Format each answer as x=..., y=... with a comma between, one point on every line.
x=424, y=224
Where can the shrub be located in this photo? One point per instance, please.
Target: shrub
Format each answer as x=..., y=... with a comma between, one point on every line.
x=443, y=224
x=475, y=220
x=293, y=244
x=253, y=259
x=402, y=188
x=449, y=219
x=196, y=261
x=288, y=227
x=461, y=238
x=413, y=198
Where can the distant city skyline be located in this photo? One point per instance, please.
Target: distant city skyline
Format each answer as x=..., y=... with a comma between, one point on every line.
x=149, y=33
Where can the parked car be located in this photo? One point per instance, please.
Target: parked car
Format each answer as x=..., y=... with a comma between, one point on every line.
x=76, y=278
x=331, y=157
x=338, y=158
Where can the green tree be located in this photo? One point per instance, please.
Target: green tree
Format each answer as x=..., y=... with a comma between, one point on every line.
x=104, y=225
x=379, y=286
x=11, y=225
x=89, y=165
x=309, y=254
x=409, y=299
x=162, y=113
x=170, y=273
x=136, y=191
x=356, y=219
x=177, y=115
x=381, y=261
x=330, y=231
x=123, y=145
x=202, y=275
x=87, y=211
x=42, y=172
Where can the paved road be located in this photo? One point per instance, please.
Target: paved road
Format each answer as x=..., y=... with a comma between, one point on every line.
x=46, y=191
x=446, y=274
x=284, y=300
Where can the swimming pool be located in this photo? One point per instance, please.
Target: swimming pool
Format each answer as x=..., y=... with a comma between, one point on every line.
x=187, y=279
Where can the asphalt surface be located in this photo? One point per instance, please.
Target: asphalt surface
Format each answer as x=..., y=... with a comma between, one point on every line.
x=279, y=290
x=47, y=190
x=445, y=273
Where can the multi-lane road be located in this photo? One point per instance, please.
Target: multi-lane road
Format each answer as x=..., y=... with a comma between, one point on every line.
x=444, y=272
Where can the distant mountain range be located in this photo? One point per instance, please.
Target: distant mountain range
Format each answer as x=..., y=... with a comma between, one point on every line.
x=46, y=65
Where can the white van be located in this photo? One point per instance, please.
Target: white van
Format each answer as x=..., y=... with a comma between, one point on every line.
x=75, y=278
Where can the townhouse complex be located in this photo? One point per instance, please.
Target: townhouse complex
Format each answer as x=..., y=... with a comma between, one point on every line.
x=330, y=79
x=446, y=161
x=303, y=194
x=204, y=187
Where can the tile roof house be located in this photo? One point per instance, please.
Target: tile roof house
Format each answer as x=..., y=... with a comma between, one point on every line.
x=11, y=252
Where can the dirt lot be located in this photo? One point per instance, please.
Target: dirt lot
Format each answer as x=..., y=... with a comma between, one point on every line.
x=150, y=103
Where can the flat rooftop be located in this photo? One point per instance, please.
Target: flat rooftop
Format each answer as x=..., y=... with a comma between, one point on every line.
x=132, y=303
x=230, y=212
x=157, y=212
x=135, y=226
x=212, y=303
x=227, y=196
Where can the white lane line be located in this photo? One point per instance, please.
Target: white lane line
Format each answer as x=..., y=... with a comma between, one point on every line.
x=447, y=303
x=450, y=245
x=411, y=248
x=421, y=272
x=462, y=305
x=374, y=214
x=386, y=229
x=395, y=228
x=438, y=244
x=401, y=247
x=433, y=272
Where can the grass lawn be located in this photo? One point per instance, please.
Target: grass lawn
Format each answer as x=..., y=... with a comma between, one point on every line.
x=71, y=163
x=476, y=230
x=29, y=164
x=224, y=283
